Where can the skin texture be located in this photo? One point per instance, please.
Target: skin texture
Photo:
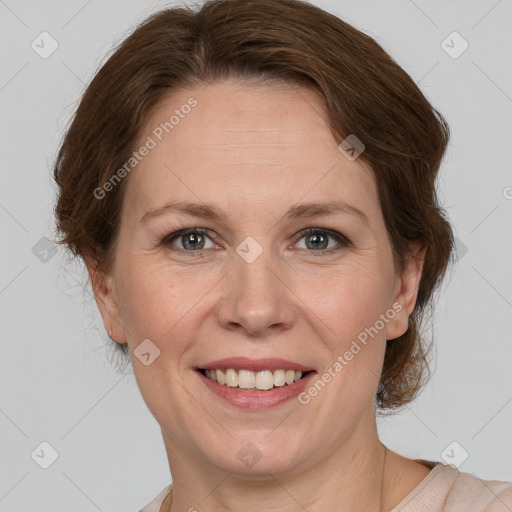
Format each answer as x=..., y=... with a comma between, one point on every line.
x=255, y=151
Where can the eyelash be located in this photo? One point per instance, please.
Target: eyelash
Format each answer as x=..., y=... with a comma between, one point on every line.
x=341, y=239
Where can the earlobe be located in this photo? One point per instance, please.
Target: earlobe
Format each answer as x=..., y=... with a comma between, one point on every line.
x=106, y=299
x=408, y=284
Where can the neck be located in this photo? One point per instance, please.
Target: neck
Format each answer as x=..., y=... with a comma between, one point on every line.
x=348, y=478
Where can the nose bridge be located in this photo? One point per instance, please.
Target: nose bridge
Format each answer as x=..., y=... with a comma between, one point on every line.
x=253, y=264
x=255, y=298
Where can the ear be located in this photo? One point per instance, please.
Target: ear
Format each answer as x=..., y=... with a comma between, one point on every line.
x=106, y=300
x=406, y=291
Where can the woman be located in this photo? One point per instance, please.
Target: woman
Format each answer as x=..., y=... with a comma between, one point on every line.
x=252, y=188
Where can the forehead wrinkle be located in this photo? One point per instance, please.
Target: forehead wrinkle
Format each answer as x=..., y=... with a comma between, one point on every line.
x=247, y=145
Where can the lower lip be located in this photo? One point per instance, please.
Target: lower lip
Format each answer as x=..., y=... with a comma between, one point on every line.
x=257, y=399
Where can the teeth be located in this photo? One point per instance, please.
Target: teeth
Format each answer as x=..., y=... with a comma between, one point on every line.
x=264, y=380
x=279, y=378
x=231, y=378
x=247, y=379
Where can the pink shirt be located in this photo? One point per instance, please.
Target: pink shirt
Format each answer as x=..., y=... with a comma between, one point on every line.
x=444, y=489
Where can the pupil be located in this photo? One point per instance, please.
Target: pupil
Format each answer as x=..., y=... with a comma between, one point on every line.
x=194, y=238
x=318, y=241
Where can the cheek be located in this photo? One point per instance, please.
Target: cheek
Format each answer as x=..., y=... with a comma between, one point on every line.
x=347, y=299
x=152, y=298
x=350, y=303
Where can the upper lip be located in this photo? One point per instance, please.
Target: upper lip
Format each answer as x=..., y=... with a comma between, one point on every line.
x=256, y=365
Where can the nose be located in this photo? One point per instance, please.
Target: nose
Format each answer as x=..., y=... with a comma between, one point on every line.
x=256, y=298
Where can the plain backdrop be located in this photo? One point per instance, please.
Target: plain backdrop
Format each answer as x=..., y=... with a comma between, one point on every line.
x=57, y=385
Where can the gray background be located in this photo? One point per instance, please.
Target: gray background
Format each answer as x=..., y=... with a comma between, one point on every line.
x=56, y=382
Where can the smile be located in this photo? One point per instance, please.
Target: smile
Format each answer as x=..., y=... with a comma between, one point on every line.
x=253, y=380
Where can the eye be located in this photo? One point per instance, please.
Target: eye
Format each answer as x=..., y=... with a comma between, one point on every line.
x=317, y=239
x=189, y=240
x=194, y=240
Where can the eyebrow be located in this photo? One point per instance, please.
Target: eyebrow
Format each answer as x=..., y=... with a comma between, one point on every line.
x=207, y=211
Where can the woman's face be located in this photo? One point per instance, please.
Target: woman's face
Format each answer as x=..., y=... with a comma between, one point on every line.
x=252, y=285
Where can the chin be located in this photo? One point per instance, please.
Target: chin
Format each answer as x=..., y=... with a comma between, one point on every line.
x=255, y=458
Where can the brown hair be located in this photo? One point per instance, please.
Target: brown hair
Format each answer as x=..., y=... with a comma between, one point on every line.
x=364, y=90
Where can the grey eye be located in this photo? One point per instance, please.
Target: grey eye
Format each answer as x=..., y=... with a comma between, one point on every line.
x=192, y=240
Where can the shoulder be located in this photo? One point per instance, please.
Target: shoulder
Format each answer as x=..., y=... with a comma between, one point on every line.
x=446, y=489
x=479, y=494
x=155, y=505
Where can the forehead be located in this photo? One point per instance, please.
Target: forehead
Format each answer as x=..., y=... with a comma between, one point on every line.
x=245, y=144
